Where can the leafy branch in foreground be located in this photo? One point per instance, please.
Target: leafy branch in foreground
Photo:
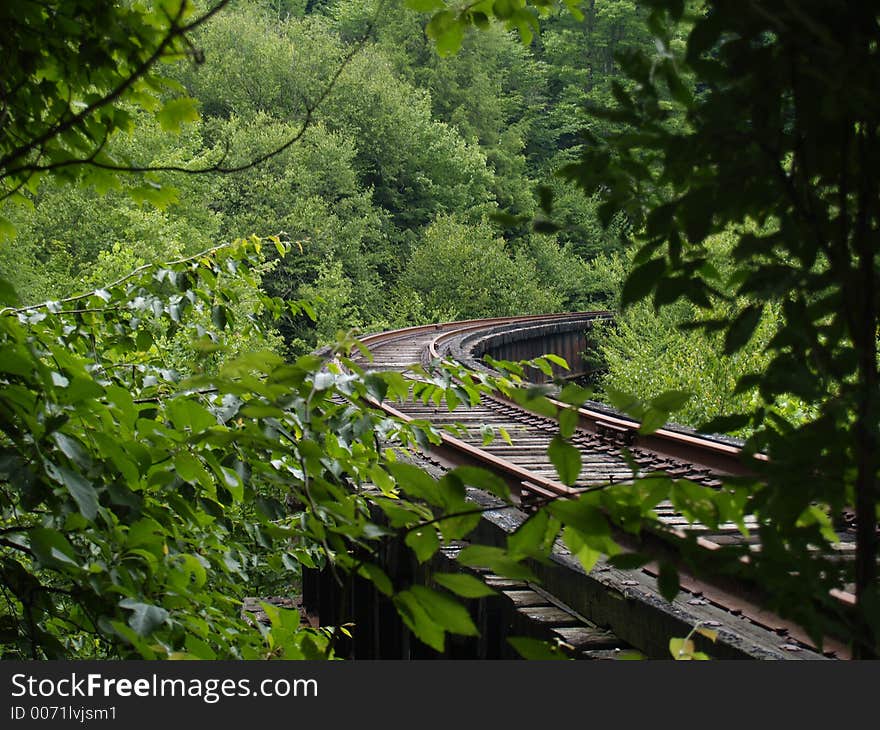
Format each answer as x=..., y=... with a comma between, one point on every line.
x=761, y=123
x=779, y=98
x=60, y=111
x=126, y=500
x=70, y=67
x=139, y=505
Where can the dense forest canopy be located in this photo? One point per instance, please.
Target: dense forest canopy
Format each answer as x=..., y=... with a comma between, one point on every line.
x=384, y=172
x=408, y=155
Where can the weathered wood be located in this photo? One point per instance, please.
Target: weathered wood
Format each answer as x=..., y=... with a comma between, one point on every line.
x=521, y=599
x=629, y=604
x=583, y=637
x=549, y=615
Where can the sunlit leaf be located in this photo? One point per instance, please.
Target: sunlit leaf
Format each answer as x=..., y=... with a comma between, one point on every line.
x=463, y=584
x=566, y=459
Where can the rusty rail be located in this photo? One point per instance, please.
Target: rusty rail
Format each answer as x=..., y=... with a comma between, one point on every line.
x=742, y=598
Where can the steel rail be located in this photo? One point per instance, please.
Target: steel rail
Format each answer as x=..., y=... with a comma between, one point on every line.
x=720, y=457
x=732, y=594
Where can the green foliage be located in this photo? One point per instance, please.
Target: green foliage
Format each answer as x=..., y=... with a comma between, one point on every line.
x=759, y=123
x=648, y=351
x=684, y=649
x=401, y=138
x=130, y=516
x=140, y=506
x=465, y=271
x=76, y=76
x=160, y=460
x=536, y=649
x=779, y=146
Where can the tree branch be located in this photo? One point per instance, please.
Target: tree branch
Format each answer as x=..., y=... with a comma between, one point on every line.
x=175, y=31
x=136, y=272
x=217, y=167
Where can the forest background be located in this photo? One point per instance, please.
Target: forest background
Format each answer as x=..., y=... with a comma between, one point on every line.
x=392, y=194
x=168, y=440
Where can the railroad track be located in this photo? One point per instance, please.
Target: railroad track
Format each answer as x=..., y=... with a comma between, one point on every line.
x=601, y=436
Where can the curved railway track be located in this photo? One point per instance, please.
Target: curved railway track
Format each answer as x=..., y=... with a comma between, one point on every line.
x=600, y=436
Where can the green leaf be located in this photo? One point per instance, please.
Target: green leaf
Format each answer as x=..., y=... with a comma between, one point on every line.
x=445, y=611
x=186, y=413
x=16, y=364
x=677, y=87
x=642, y=281
x=463, y=584
x=531, y=537
x=219, y=316
x=625, y=402
x=401, y=514
x=585, y=518
x=80, y=489
x=452, y=492
x=199, y=648
x=382, y=479
x=503, y=9
x=447, y=31
x=556, y=360
x=191, y=470
x=534, y=400
x=671, y=400
x=82, y=389
x=145, y=618
x=415, y=482
x=424, y=542
x=132, y=637
x=233, y=483
x=72, y=449
x=696, y=502
x=397, y=384
x=535, y=649
x=710, y=634
x=543, y=365
x=586, y=555
x=121, y=399
x=495, y=559
x=574, y=395
x=568, y=421
x=7, y=233
x=566, y=459
x=483, y=479
x=378, y=577
x=51, y=548
x=481, y=20
x=178, y=112
x=725, y=424
x=681, y=648
x=458, y=528
x=652, y=420
x=742, y=328
x=376, y=386
x=418, y=621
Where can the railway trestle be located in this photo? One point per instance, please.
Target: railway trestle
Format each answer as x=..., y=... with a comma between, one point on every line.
x=606, y=613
